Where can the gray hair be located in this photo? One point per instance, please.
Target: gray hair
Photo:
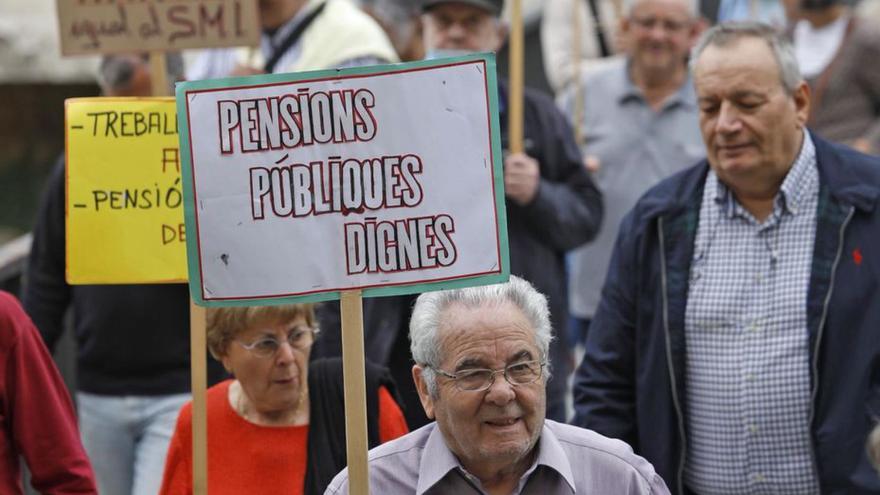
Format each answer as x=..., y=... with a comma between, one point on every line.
x=115, y=71
x=429, y=308
x=873, y=447
x=398, y=17
x=729, y=32
x=394, y=11
x=629, y=5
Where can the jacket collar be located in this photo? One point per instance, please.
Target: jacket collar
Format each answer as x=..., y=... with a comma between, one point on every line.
x=841, y=169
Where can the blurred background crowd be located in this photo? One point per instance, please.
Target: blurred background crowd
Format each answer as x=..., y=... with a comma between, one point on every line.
x=572, y=48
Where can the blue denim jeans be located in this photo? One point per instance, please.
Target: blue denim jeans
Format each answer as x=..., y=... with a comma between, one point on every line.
x=126, y=438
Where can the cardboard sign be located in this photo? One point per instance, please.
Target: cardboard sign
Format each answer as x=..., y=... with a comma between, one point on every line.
x=118, y=26
x=386, y=179
x=124, y=196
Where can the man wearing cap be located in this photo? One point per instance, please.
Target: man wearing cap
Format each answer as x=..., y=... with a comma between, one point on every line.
x=552, y=204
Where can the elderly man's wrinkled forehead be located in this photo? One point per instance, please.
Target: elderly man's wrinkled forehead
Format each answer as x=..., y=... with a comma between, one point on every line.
x=475, y=329
x=690, y=6
x=742, y=66
x=757, y=38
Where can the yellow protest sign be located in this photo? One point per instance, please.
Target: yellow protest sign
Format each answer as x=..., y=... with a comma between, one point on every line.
x=124, y=196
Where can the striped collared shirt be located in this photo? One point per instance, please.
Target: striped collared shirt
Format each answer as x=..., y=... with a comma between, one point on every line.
x=747, y=377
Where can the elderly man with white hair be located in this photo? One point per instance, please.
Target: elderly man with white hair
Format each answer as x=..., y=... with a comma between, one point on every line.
x=481, y=368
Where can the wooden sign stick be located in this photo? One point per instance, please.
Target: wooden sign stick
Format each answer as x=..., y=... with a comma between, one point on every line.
x=198, y=367
x=579, y=93
x=353, y=371
x=517, y=58
x=159, y=74
x=197, y=334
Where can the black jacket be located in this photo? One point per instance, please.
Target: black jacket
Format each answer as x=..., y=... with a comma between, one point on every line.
x=131, y=339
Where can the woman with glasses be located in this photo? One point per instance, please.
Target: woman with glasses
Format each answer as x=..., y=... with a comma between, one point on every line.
x=279, y=425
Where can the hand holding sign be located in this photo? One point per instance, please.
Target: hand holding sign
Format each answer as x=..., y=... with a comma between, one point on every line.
x=522, y=175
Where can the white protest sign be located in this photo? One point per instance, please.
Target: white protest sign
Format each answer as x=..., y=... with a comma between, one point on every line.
x=386, y=179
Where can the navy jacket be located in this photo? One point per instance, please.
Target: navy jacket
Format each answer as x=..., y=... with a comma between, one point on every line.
x=131, y=339
x=630, y=384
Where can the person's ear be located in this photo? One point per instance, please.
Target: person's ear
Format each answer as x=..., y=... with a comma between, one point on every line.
x=623, y=25
x=422, y=389
x=501, y=32
x=698, y=25
x=225, y=360
x=801, y=97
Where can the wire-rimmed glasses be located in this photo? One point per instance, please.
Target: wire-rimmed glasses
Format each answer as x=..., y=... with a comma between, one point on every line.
x=479, y=379
x=300, y=338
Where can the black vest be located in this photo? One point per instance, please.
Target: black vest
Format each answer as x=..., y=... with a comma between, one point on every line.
x=326, y=454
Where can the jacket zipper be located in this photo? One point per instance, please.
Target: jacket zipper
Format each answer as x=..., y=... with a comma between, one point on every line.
x=675, y=400
x=821, y=331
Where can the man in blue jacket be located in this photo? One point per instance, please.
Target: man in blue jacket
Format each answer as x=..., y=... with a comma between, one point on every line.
x=736, y=345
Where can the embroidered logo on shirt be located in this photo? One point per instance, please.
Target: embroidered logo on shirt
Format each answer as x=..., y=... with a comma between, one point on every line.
x=857, y=256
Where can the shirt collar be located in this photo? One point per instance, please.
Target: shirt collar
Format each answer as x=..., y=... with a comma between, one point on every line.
x=685, y=95
x=793, y=191
x=551, y=455
x=438, y=460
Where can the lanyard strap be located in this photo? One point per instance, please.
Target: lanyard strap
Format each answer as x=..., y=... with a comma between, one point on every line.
x=292, y=38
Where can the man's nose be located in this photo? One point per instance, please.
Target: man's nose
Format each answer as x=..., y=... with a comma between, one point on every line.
x=501, y=392
x=658, y=31
x=728, y=119
x=456, y=31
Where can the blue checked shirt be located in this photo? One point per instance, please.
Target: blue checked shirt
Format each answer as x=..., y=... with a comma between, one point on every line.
x=747, y=378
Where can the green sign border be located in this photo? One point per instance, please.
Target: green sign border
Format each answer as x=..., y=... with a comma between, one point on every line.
x=195, y=280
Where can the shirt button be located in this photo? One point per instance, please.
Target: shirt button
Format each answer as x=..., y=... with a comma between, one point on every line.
x=759, y=278
x=750, y=377
x=759, y=477
x=753, y=429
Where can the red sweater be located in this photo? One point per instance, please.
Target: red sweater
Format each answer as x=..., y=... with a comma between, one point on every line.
x=248, y=458
x=37, y=420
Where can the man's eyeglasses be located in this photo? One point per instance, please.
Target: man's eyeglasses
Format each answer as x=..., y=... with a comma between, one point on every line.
x=668, y=25
x=300, y=338
x=477, y=380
